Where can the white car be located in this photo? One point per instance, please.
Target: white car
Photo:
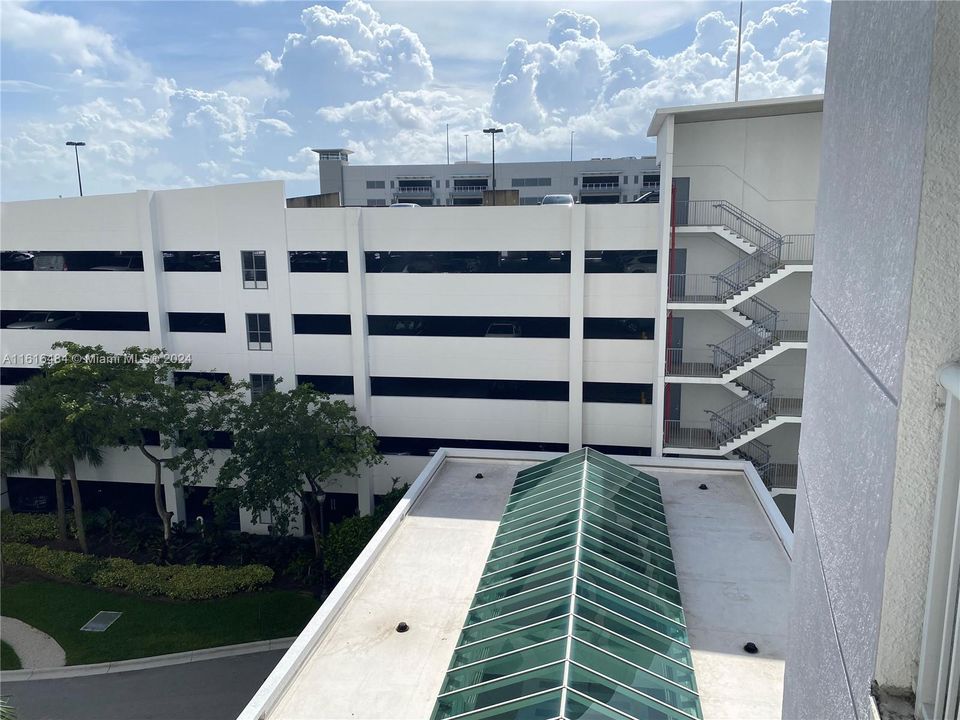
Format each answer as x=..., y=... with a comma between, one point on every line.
x=557, y=200
x=405, y=205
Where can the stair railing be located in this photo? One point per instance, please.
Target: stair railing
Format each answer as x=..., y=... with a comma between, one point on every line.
x=724, y=214
x=750, y=341
x=740, y=416
x=755, y=383
x=757, y=453
x=745, y=272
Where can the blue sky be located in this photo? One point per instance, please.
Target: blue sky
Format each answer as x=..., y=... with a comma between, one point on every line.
x=178, y=94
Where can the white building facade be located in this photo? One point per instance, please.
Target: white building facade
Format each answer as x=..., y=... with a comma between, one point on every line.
x=507, y=328
x=596, y=181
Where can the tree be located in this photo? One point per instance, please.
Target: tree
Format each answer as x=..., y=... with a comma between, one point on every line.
x=26, y=424
x=147, y=404
x=285, y=445
x=58, y=419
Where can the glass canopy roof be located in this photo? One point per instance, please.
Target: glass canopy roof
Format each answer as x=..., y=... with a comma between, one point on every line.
x=577, y=614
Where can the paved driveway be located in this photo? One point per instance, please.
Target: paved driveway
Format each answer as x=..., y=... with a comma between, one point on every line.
x=206, y=690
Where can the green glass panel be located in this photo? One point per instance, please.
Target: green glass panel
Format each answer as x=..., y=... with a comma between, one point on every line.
x=515, y=621
x=530, y=553
x=641, y=582
x=544, y=468
x=590, y=574
x=495, y=668
x=628, y=549
x=542, y=503
x=519, y=602
x=636, y=678
x=638, y=514
x=641, y=527
x=642, y=547
x=628, y=487
x=634, y=653
x=602, y=461
x=583, y=708
x=524, y=584
x=623, y=699
x=526, y=568
x=632, y=631
x=656, y=583
x=522, y=521
x=525, y=637
x=624, y=497
x=500, y=691
x=631, y=610
x=543, y=490
x=540, y=707
x=532, y=539
x=505, y=537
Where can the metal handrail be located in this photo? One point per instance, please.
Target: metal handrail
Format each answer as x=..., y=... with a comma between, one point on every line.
x=467, y=188
x=748, y=342
x=755, y=383
x=797, y=249
x=599, y=186
x=745, y=272
x=419, y=190
x=725, y=214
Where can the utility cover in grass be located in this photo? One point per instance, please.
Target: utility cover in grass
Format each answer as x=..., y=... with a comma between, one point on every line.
x=101, y=621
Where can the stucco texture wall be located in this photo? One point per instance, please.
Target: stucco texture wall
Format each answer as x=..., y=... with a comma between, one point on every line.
x=874, y=136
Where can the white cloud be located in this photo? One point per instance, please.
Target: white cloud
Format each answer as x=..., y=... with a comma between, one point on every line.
x=279, y=125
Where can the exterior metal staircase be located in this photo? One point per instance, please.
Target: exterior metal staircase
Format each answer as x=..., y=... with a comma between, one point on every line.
x=776, y=476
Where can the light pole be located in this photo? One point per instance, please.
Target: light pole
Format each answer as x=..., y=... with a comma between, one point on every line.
x=492, y=131
x=76, y=154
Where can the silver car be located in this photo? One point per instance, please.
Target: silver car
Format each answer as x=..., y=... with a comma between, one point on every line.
x=43, y=320
x=557, y=200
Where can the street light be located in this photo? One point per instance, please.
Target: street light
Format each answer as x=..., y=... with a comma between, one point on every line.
x=492, y=131
x=76, y=154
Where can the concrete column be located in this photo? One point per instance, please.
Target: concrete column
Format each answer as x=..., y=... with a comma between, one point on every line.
x=578, y=221
x=152, y=268
x=174, y=499
x=665, y=158
x=359, y=350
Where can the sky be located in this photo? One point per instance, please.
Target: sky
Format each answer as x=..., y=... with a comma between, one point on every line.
x=184, y=94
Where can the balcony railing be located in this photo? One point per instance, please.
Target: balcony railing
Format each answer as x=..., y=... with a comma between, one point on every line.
x=600, y=186
x=414, y=191
x=724, y=214
x=467, y=189
x=694, y=434
x=797, y=249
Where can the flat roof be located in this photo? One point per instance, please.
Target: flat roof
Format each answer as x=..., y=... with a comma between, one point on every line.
x=736, y=110
x=732, y=569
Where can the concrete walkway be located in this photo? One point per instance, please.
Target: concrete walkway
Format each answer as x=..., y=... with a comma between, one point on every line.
x=34, y=648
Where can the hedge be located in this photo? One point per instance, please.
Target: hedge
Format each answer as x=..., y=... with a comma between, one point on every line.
x=178, y=582
x=24, y=527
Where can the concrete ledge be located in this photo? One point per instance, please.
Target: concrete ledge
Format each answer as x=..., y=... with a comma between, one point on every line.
x=190, y=656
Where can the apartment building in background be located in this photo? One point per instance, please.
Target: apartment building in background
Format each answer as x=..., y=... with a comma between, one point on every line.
x=596, y=181
x=635, y=329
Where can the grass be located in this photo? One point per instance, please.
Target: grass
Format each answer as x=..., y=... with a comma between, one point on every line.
x=8, y=657
x=151, y=626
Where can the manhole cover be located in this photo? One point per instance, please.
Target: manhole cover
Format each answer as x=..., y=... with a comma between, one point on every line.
x=101, y=621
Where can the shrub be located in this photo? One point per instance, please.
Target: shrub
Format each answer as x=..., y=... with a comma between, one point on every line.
x=345, y=541
x=178, y=582
x=24, y=527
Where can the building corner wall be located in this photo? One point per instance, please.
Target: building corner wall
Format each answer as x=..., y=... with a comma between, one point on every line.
x=933, y=339
x=665, y=157
x=860, y=313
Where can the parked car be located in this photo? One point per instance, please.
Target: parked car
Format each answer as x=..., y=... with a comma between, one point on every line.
x=644, y=263
x=408, y=326
x=557, y=200
x=16, y=260
x=404, y=205
x=122, y=264
x=49, y=261
x=503, y=330
x=43, y=320
x=651, y=196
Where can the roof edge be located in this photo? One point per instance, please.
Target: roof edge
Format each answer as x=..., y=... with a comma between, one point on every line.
x=736, y=110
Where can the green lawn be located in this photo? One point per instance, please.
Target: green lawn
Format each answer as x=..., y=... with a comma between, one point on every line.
x=151, y=626
x=8, y=658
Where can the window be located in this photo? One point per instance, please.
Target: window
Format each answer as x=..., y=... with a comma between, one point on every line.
x=254, y=269
x=318, y=261
x=610, y=392
x=376, y=202
x=469, y=326
x=531, y=182
x=428, y=446
x=391, y=184
x=197, y=322
x=191, y=261
x=621, y=449
x=479, y=388
x=636, y=179
x=626, y=179
x=258, y=332
x=17, y=375
x=575, y=181
x=260, y=384
x=330, y=384
x=74, y=260
x=620, y=261
x=651, y=181
x=618, y=328
x=201, y=380
x=321, y=324
x=73, y=320
x=376, y=184
x=477, y=261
